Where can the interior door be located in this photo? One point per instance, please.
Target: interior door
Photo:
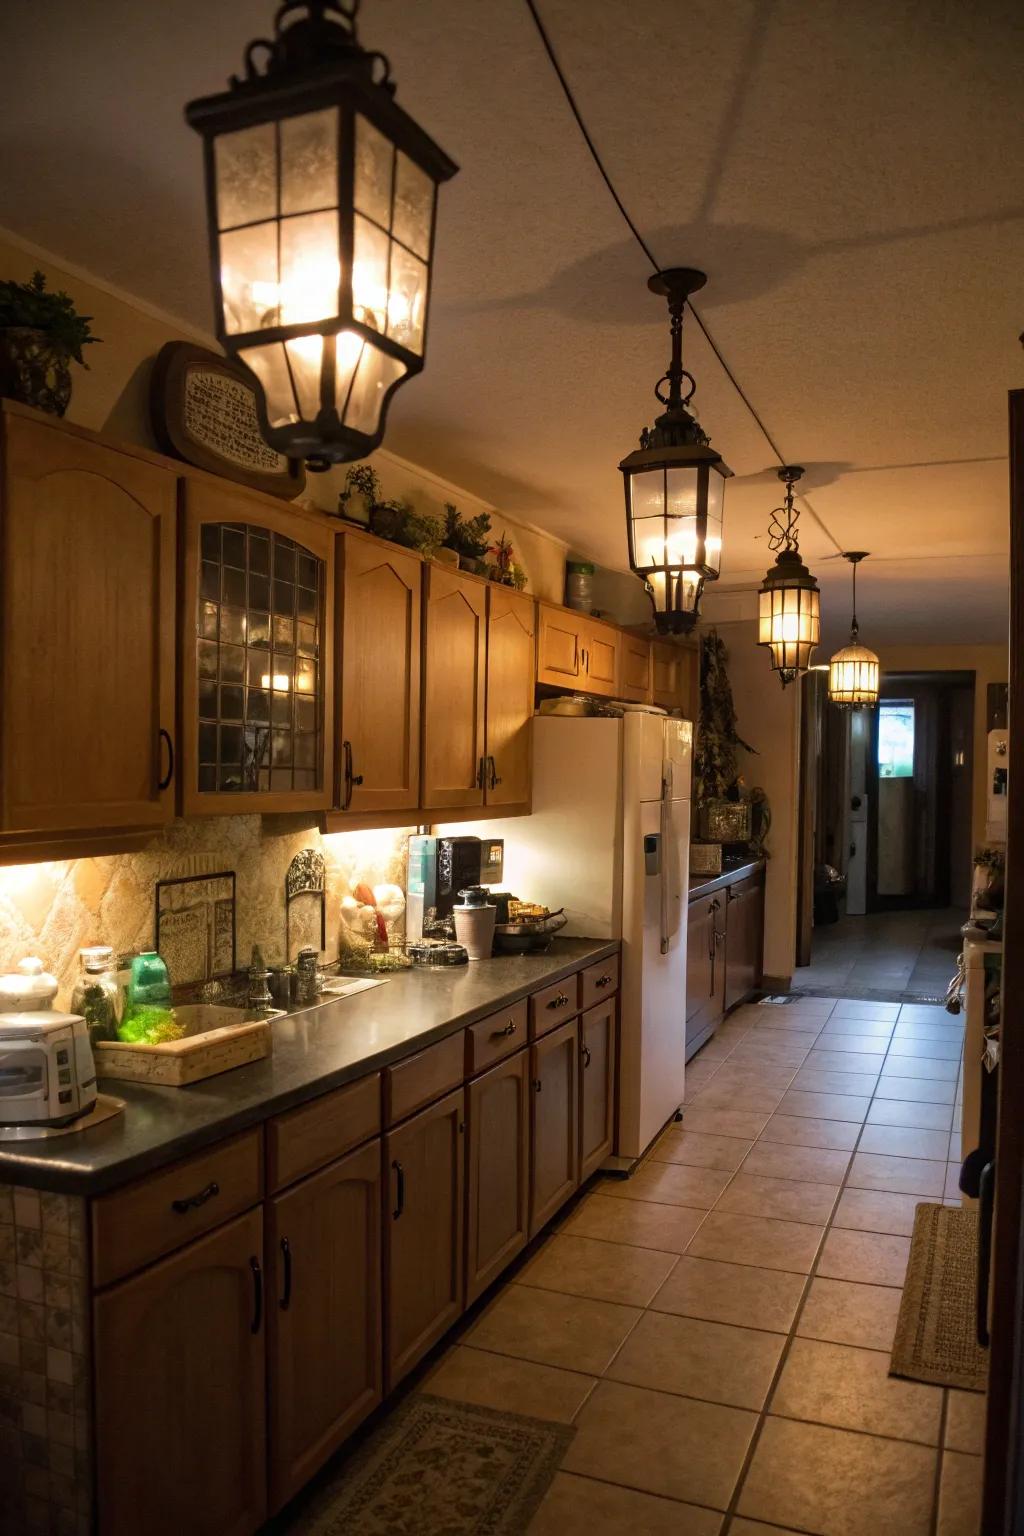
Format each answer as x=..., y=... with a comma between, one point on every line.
x=454, y=683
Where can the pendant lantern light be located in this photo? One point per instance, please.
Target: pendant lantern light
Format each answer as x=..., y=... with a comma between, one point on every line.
x=321, y=194
x=789, y=616
x=853, y=671
x=675, y=485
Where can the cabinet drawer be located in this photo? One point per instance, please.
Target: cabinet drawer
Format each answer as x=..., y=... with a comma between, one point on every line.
x=315, y=1134
x=133, y=1226
x=599, y=981
x=495, y=1037
x=553, y=1006
x=422, y=1078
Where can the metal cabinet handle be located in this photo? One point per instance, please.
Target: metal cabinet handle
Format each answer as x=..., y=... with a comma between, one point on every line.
x=193, y=1202
x=537, y=1085
x=165, y=737
x=559, y=1001
x=986, y=1206
x=510, y=1029
x=481, y=773
x=399, y=1190
x=585, y=1052
x=351, y=779
x=494, y=780
x=257, y=1295
x=603, y=981
x=286, y=1255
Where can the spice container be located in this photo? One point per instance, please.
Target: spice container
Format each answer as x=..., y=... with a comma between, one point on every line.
x=97, y=996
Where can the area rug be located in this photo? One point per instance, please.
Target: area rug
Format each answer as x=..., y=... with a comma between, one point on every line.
x=450, y=1469
x=935, y=1334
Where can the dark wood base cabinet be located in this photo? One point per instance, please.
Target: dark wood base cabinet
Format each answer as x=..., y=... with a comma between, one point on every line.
x=498, y=1170
x=597, y=1086
x=724, y=954
x=554, y=1137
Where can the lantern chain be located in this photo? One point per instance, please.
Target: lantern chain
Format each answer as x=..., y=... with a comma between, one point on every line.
x=782, y=528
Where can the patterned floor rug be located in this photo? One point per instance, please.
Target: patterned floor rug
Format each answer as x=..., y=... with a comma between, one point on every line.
x=935, y=1335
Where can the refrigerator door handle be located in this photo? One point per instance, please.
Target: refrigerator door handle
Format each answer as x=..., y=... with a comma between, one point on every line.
x=668, y=857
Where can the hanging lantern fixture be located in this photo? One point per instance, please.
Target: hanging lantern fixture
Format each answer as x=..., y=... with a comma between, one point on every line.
x=321, y=194
x=675, y=485
x=789, y=607
x=853, y=671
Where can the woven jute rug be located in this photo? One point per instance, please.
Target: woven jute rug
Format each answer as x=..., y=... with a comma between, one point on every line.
x=444, y=1468
x=935, y=1334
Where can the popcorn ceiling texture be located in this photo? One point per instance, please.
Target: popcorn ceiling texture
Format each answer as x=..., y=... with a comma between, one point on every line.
x=52, y=910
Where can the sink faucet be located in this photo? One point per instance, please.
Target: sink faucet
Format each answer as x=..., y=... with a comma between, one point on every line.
x=260, y=999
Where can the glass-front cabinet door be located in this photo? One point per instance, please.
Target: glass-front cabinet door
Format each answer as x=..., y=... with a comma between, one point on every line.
x=257, y=653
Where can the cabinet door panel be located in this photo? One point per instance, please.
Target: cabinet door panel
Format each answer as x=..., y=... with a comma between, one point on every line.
x=88, y=573
x=325, y=1344
x=454, y=679
x=744, y=938
x=498, y=1120
x=597, y=1086
x=705, y=967
x=560, y=646
x=424, y=1236
x=179, y=1362
x=635, y=669
x=379, y=709
x=602, y=646
x=511, y=669
x=554, y=1141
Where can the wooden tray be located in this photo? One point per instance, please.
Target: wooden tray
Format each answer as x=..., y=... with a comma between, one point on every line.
x=177, y=1062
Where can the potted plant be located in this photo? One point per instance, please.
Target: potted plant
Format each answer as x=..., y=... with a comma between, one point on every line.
x=469, y=539
x=360, y=501
x=41, y=334
x=359, y=496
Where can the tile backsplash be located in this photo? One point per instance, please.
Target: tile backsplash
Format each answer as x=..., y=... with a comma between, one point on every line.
x=52, y=910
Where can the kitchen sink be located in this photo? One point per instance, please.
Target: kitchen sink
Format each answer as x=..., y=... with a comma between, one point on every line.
x=197, y=1018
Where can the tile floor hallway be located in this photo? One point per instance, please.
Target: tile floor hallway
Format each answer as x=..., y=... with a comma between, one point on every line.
x=718, y=1327
x=890, y=956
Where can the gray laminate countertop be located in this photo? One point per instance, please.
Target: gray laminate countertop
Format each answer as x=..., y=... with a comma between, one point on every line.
x=313, y=1051
x=704, y=885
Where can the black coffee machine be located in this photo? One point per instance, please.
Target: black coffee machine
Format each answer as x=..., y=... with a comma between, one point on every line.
x=439, y=868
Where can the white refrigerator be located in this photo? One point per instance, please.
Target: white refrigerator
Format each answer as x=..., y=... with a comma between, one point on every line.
x=609, y=841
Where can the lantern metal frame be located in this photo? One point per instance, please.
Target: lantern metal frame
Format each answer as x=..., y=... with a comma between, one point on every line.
x=790, y=599
x=853, y=672
x=315, y=61
x=676, y=441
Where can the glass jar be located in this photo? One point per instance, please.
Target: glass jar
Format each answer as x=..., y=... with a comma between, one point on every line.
x=579, y=585
x=97, y=996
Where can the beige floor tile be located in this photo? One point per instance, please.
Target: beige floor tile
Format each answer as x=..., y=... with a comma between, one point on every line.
x=852, y=1389
x=948, y=1031
x=845, y=1044
x=658, y=1443
x=517, y=1386
x=712, y=1361
x=915, y=1090
x=777, y=1019
x=839, y=1483
x=725, y=1095
x=755, y=1528
x=933, y=1047
x=816, y=1165
x=815, y=1080
x=900, y=1141
x=872, y=1258
x=873, y=1029
x=825, y=1106
x=698, y=1150
x=951, y=1188
x=965, y=1422
x=587, y=1266
x=921, y=1068
x=582, y=1506
x=771, y=1051
x=855, y=1008
x=725, y=1122
x=848, y=1313
x=923, y=1013
x=802, y=1131
x=960, y=1495
x=902, y=1112
x=553, y=1329
x=901, y=1175
x=641, y=1223
x=757, y=1240
x=865, y=1063
x=731, y=1293
x=873, y=1210
x=670, y=1184
x=788, y=1199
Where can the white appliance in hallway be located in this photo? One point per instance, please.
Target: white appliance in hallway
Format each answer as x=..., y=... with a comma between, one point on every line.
x=857, y=867
x=609, y=841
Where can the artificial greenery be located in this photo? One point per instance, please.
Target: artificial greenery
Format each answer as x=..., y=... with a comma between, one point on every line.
x=389, y=518
x=361, y=480
x=716, y=773
x=31, y=306
x=467, y=536
x=504, y=568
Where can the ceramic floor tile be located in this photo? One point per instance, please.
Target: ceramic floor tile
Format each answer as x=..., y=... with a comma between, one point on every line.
x=553, y=1329
x=757, y=1240
x=725, y=1122
x=965, y=1422
x=852, y=1389
x=802, y=1131
x=921, y=1069
x=872, y=1029
x=919, y=1013
x=872, y=1210
x=755, y=1528
x=839, y=1483
x=674, y=1446
x=951, y=1189
x=799, y=1024
x=815, y=1165
x=915, y=1090
x=514, y=1386
x=850, y=1008
x=737, y=1096
x=698, y=1150
x=960, y=1495
x=603, y=1271
x=582, y=1506
x=641, y=1223
x=814, y=1080
x=670, y=1184
x=786, y=1199
x=851, y=1045
x=845, y=1312
x=825, y=1106
x=935, y=1050
x=869, y=1063
x=903, y=1112
x=899, y=1141
x=872, y=1258
x=731, y=1293
x=947, y=1031
x=901, y=1175
x=711, y=1361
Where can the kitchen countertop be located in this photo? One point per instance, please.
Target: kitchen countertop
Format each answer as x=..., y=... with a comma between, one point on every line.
x=705, y=885
x=313, y=1051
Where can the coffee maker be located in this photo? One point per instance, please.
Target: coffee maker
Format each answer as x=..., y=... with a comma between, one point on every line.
x=439, y=868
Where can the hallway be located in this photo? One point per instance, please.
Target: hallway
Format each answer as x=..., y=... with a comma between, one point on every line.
x=886, y=956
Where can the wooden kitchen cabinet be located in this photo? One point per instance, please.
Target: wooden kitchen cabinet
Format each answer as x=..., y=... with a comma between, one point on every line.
x=454, y=689
x=324, y=1335
x=498, y=1170
x=634, y=669
x=511, y=640
x=424, y=1280
x=705, y=968
x=87, y=589
x=257, y=653
x=669, y=676
x=560, y=647
x=597, y=1085
x=554, y=1122
x=179, y=1391
x=601, y=657
x=744, y=938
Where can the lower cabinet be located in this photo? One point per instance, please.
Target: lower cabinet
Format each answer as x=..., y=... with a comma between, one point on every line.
x=323, y=1315
x=597, y=1086
x=554, y=1127
x=423, y=1227
x=498, y=1170
x=179, y=1383
x=744, y=939
x=705, y=968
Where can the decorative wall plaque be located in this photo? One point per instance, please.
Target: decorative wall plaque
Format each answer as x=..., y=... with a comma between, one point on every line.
x=195, y=927
x=203, y=410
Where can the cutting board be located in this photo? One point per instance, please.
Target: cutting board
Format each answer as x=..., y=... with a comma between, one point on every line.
x=175, y=1063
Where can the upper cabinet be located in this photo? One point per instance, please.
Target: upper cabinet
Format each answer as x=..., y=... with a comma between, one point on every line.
x=378, y=732
x=87, y=580
x=635, y=669
x=576, y=651
x=511, y=638
x=674, y=677
x=257, y=643
x=454, y=685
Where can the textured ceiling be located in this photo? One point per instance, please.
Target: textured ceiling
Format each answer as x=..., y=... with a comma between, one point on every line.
x=847, y=175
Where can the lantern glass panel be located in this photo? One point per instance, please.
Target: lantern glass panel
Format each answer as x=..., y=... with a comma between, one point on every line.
x=647, y=494
x=682, y=487
x=246, y=176
x=407, y=298
x=716, y=501
x=269, y=365
x=374, y=164
x=305, y=357
x=310, y=273
x=375, y=374
x=370, y=275
x=249, y=279
x=414, y=205
x=309, y=161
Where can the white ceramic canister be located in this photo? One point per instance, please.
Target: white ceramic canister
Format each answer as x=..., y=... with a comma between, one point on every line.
x=474, y=922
